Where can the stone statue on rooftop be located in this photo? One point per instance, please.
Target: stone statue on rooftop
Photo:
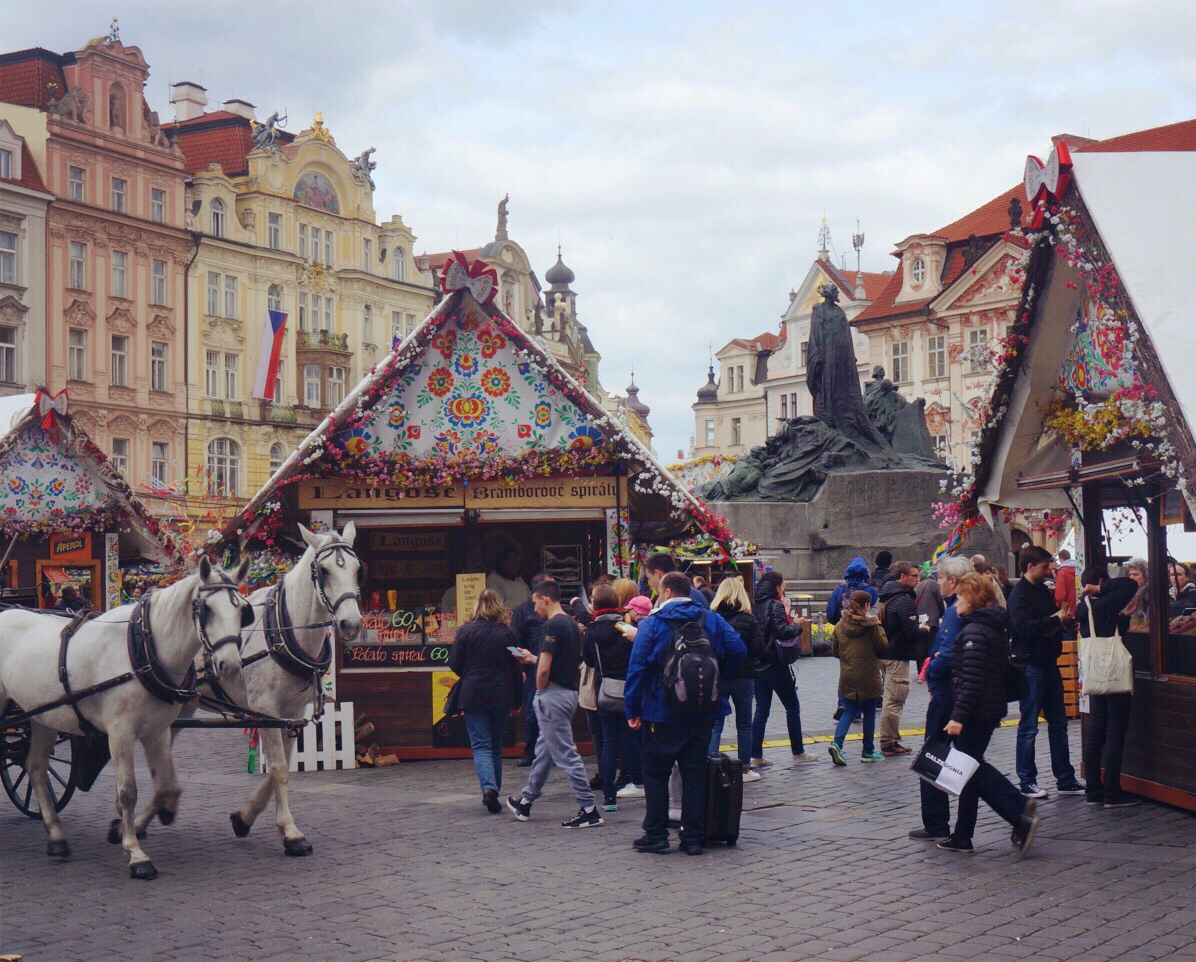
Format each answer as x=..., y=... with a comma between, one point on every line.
x=265, y=135
x=500, y=232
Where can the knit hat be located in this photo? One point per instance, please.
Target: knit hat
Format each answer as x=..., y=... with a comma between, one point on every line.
x=641, y=605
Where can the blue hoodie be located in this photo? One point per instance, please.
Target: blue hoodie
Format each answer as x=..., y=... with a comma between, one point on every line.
x=643, y=692
x=855, y=578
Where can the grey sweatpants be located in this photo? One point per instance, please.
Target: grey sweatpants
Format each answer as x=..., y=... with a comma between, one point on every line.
x=555, y=707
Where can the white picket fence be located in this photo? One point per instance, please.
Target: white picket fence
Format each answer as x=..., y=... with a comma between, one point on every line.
x=325, y=746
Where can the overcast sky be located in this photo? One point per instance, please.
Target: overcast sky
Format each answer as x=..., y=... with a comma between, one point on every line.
x=682, y=153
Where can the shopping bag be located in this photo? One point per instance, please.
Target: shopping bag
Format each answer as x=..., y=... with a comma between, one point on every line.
x=587, y=688
x=943, y=765
x=1106, y=666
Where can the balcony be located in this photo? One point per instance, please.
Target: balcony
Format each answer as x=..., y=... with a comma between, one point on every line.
x=225, y=409
x=323, y=340
x=279, y=413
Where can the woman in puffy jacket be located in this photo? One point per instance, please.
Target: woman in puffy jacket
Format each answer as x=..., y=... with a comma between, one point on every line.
x=491, y=686
x=979, y=700
x=731, y=602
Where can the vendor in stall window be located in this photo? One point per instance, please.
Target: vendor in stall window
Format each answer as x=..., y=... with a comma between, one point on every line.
x=505, y=578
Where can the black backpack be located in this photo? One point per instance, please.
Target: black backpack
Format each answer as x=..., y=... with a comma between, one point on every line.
x=690, y=676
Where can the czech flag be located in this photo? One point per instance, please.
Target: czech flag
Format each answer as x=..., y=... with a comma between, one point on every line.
x=267, y=366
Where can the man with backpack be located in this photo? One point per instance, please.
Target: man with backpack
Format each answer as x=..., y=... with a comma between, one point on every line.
x=855, y=578
x=672, y=696
x=782, y=647
x=907, y=638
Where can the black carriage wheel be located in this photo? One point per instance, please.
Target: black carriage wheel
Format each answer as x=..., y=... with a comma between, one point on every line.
x=15, y=778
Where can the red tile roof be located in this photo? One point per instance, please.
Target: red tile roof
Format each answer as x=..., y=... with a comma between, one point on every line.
x=1177, y=136
x=29, y=174
x=884, y=305
x=26, y=76
x=987, y=220
x=874, y=283
x=435, y=262
x=220, y=137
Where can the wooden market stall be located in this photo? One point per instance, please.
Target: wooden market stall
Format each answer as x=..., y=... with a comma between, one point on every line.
x=1092, y=406
x=466, y=445
x=67, y=516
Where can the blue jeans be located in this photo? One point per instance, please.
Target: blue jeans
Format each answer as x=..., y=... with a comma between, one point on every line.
x=531, y=725
x=486, y=730
x=1046, y=695
x=615, y=735
x=865, y=707
x=740, y=691
x=780, y=680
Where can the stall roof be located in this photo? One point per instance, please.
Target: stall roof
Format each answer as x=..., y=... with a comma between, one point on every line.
x=53, y=477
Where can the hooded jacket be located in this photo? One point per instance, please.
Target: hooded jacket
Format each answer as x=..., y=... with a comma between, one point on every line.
x=643, y=693
x=604, y=647
x=901, y=621
x=859, y=643
x=855, y=578
x=978, y=667
x=771, y=617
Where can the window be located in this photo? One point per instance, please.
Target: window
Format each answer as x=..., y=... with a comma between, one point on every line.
x=217, y=207
x=327, y=314
x=367, y=254
x=367, y=325
x=230, y=377
x=936, y=356
x=303, y=242
x=336, y=386
x=159, y=459
x=119, y=188
x=739, y=378
x=224, y=466
x=279, y=397
x=5, y=163
x=213, y=294
x=158, y=283
x=120, y=361
x=276, y=456
x=77, y=354
x=709, y=434
x=793, y=405
x=736, y=431
x=230, y=296
x=303, y=310
x=158, y=366
x=77, y=190
x=410, y=323
x=274, y=231
x=978, y=350
x=8, y=257
x=901, y=362
x=78, y=266
x=157, y=205
x=120, y=274
x=274, y=298
x=327, y=248
x=212, y=374
x=120, y=455
x=311, y=385
x=917, y=270
x=785, y=405
x=396, y=325
x=8, y=354
x=399, y=264
x=315, y=244
x=805, y=354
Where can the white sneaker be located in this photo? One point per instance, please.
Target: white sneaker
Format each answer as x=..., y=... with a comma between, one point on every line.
x=630, y=791
x=750, y=776
x=674, y=814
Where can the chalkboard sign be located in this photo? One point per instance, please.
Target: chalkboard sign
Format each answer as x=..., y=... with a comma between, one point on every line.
x=403, y=626
x=395, y=656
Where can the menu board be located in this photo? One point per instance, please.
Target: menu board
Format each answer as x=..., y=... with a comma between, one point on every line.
x=469, y=589
x=414, y=637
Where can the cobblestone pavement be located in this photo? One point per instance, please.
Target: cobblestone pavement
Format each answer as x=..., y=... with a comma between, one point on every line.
x=408, y=867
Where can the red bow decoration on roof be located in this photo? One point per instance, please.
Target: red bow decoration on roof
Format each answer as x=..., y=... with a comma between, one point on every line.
x=1046, y=182
x=50, y=409
x=460, y=272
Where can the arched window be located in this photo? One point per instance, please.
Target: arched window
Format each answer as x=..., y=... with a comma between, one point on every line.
x=367, y=325
x=274, y=298
x=116, y=107
x=276, y=456
x=399, y=261
x=224, y=467
x=217, y=217
x=918, y=270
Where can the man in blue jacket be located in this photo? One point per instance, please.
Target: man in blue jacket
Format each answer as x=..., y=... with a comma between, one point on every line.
x=855, y=578
x=670, y=737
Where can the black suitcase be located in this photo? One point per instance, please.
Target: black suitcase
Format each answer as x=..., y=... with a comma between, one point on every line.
x=724, y=799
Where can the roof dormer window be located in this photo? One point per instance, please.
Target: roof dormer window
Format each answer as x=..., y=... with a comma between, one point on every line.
x=917, y=270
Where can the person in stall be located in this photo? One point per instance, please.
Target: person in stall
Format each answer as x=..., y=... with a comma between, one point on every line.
x=505, y=577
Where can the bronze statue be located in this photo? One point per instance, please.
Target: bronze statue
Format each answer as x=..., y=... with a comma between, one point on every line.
x=831, y=373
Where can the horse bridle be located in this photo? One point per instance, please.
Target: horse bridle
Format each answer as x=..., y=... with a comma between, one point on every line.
x=340, y=549
x=199, y=614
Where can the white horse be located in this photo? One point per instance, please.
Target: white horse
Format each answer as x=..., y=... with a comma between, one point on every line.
x=284, y=657
x=154, y=661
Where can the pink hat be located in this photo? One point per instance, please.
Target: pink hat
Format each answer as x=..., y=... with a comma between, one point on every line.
x=641, y=605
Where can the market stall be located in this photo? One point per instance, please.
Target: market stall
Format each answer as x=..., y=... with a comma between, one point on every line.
x=68, y=520
x=1090, y=412
x=467, y=457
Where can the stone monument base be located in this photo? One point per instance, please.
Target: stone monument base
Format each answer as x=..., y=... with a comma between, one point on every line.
x=854, y=513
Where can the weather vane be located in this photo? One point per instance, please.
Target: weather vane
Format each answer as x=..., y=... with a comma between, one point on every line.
x=857, y=241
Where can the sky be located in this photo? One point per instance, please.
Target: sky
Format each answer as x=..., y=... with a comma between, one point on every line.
x=683, y=154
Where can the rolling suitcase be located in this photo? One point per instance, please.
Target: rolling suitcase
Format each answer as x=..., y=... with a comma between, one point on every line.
x=724, y=799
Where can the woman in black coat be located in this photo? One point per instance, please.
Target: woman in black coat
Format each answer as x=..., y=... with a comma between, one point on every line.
x=731, y=602
x=979, y=703
x=491, y=686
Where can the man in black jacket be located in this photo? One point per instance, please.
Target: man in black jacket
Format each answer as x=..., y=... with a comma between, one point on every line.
x=1036, y=629
x=529, y=626
x=906, y=641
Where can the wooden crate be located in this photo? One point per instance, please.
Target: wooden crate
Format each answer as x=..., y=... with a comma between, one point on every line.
x=1068, y=663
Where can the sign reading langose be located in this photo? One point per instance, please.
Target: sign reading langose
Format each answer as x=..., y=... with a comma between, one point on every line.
x=584, y=492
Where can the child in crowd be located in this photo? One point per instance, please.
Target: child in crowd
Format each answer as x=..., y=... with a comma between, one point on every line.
x=859, y=643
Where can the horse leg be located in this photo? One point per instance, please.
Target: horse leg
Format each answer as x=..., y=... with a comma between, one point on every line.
x=167, y=789
x=293, y=842
x=244, y=818
x=41, y=743
x=120, y=741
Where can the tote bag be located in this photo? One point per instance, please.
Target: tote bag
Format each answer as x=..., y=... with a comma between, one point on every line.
x=943, y=765
x=1106, y=666
x=587, y=696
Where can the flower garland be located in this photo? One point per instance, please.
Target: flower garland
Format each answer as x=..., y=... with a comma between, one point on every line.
x=1131, y=412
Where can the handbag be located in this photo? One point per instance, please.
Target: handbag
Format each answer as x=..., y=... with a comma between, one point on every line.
x=452, y=701
x=610, y=691
x=943, y=765
x=1106, y=666
x=587, y=696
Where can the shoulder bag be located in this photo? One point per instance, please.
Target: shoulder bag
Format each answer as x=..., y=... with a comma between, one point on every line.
x=610, y=690
x=1106, y=666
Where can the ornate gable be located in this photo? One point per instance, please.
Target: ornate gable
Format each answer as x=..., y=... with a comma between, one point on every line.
x=12, y=311
x=80, y=314
x=120, y=321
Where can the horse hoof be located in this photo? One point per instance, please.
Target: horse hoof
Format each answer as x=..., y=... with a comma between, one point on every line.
x=240, y=826
x=296, y=846
x=115, y=835
x=165, y=817
x=144, y=871
x=59, y=849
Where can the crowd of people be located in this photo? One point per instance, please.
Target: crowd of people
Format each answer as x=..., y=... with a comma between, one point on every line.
x=635, y=658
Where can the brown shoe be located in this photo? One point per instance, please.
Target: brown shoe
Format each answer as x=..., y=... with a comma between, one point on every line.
x=894, y=750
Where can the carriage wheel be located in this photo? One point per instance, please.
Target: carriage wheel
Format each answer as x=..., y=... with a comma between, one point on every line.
x=15, y=778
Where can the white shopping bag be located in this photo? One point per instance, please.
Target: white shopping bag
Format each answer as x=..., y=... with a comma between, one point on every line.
x=943, y=765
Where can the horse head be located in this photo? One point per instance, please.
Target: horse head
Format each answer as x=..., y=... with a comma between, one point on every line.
x=220, y=612
x=335, y=569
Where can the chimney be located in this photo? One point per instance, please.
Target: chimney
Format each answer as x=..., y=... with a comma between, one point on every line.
x=242, y=108
x=188, y=99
